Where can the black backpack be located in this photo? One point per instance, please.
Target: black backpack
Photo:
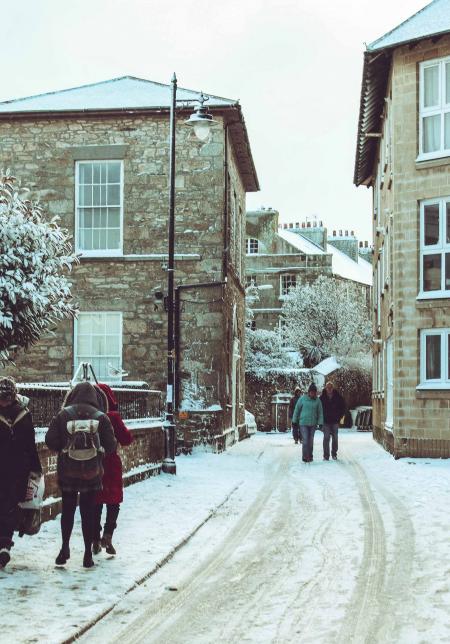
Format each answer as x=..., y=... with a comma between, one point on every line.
x=82, y=457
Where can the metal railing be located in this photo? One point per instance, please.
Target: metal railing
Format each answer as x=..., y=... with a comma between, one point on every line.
x=134, y=401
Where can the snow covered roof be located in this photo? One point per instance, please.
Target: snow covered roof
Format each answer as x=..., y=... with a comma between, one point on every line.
x=345, y=266
x=300, y=243
x=123, y=93
x=327, y=366
x=430, y=21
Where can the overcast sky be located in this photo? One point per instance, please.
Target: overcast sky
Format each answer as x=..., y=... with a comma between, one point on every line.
x=295, y=65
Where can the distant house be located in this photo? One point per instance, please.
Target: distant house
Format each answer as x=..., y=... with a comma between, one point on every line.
x=97, y=156
x=281, y=256
x=403, y=153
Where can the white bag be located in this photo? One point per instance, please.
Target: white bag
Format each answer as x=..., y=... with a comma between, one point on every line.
x=35, y=492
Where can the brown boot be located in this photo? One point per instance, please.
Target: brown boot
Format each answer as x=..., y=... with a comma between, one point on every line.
x=96, y=546
x=107, y=545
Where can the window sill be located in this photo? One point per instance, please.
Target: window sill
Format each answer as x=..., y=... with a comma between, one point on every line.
x=423, y=162
x=389, y=427
x=435, y=386
x=433, y=295
x=99, y=255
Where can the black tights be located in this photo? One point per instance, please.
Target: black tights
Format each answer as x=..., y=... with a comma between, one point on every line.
x=69, y=505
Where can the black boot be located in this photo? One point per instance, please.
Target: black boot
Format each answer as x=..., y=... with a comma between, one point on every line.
x=107, y=544
x=4, y=557
x=88, y=562
x=64, y=555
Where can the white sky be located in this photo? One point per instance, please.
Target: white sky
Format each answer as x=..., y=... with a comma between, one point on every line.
x=295, y=65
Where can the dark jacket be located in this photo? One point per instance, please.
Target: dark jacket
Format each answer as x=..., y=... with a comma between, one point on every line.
x=292, y=403
x=333, y=408
x=82, y=402
x=18, y=453
x=112, y=486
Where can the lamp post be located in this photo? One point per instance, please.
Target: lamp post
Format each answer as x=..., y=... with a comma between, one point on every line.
x=201, y=121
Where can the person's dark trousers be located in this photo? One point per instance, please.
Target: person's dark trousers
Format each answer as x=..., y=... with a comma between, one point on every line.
x=8, y=518
x=307, y=432
x=87, y=507
x=330, y=430
x=295, y=432
x=112, y=512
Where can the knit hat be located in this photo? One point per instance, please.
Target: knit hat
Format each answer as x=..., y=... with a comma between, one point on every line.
x=8, y=389
x=312, y=387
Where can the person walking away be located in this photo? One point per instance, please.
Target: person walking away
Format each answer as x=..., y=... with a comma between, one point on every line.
x=292, y=403
x=81, y=434
x=308, y=414
x=18, y=459
x=111, y=493
x=333, y=409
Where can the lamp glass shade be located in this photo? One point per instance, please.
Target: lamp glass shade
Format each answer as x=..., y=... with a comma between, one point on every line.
x=201, y=129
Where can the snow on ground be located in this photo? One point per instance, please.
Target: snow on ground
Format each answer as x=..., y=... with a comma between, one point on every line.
x=348, y=551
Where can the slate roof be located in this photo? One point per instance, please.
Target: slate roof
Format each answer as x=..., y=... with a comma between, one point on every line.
x=128, y=95
x=431, y=21
x=124, y=93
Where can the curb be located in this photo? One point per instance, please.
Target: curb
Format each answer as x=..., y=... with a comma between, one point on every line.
x=87, y=627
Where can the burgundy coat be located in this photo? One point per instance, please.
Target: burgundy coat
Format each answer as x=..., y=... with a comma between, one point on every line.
x=112, y=491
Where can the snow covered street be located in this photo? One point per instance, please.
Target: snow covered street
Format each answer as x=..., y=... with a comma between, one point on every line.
x=354, y=550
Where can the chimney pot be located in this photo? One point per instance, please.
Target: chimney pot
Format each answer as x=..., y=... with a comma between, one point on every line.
x=291, y=225
x=366, y=244
x=352, y=233
x=296, y=225
x=340, y=233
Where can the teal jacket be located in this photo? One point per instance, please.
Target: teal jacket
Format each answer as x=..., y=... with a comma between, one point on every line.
x=308, y=411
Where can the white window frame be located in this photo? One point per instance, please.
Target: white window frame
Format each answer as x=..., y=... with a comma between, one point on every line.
x=251, y=279
x=82, y=358
x=441, y=109
x=441, y=248
x=116, y=252
x=250, y=244
x=444, y=381
x=284, y=292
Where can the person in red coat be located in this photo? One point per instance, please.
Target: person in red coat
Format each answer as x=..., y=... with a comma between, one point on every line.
x=112, y=492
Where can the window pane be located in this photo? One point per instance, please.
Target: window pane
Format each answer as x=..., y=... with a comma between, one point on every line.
x=84, y=345
x=432, y=133
x=87, y=218
x=112, y=323
x=447, y=83
x=103, y=217
x=114, y=195
x=433, y=357
x=431, y=86
x=98, y=345
x=102, y=239
x=447, y=209
x=431, y=224
x=98, y=323
x=96, y=173
x=86, y=239
x=432, y=272
x=114, y=173
x=114, y=217
x=447, y=130
x=112, y=345
x=84, y=324
x=96, y=196
x=114, y=239
x=447, y=272
x=85, y=173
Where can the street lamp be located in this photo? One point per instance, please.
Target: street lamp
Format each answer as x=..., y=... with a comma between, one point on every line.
x=201, y=121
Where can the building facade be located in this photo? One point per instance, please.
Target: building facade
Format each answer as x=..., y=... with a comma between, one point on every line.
x=403, y=153
x=281, y=256
x=97, y=156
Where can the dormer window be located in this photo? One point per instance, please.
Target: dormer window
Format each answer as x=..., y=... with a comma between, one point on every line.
x=252, y=246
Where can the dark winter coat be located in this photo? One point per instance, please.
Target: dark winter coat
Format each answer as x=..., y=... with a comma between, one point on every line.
x=18, y=453
x=112, y=491
x=333, y=407
x=82, y=402
x=292, y=403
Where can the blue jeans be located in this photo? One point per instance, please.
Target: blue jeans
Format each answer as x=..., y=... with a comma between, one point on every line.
x=330, y=429
x=307, y=432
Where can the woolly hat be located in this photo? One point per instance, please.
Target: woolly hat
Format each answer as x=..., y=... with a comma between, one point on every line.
x=8, y=389
x=312, y=387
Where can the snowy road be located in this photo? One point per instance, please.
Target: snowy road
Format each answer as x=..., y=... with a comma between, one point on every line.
x=253, y=546
x=325, y=552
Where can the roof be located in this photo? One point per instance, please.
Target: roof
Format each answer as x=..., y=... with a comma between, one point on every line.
x=341, y=264
x=430, y=21
x=126, y=95
x=433, y=20
x=345, y=266
x=300, y=243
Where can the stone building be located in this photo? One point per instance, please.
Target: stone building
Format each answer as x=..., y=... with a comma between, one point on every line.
x=403, y=153
x=97, y=156
x=280, y=256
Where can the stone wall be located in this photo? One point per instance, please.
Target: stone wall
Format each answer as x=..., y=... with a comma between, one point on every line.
x=421, y=418
x=140, y=460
